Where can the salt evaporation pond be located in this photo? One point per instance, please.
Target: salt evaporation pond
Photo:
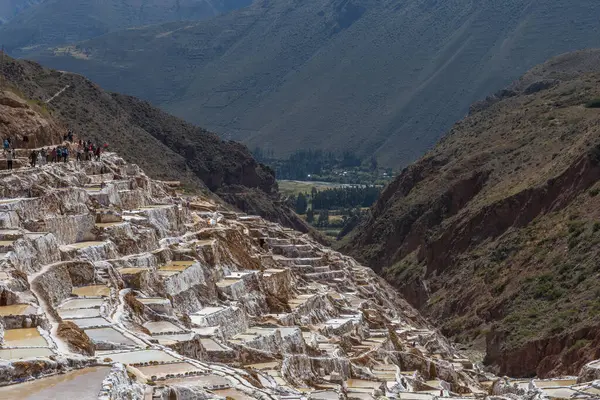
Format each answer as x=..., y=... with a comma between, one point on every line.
x=166, y=369
x=75, y=385
x=24, y=353
x=108, y=335
x=17, y=309
x=161, y=327
x=92, y=290
x=84, y=323
x=81, y=303
x=23, y=337
x=79, y=313
x=139, y=357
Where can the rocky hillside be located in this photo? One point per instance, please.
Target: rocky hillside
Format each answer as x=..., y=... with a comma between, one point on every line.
x=494, y=233
x=167, y=147
x=376, y=77
x=35, y=24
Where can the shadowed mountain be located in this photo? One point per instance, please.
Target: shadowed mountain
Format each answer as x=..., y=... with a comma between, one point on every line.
x=37, y=24
x=376, y=77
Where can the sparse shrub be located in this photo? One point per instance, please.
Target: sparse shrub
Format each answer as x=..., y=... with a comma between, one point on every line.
x=596, y=227
x=594, y=103
x=594, y=192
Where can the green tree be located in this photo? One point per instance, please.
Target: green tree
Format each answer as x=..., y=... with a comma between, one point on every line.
x=323, y=220
x=374, y=164
x=310, y=216
x=301, y=203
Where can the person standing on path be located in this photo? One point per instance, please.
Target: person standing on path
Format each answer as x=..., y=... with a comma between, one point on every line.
x=33, y=157
x=9, y=159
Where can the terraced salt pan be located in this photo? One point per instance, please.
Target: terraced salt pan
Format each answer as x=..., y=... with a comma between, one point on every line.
x=140, y=356
x=167, y=369
x=75, y=385
x=24, y=353
x=153, y=300
x=92, y=291
x=108, y=335
x=17, y=309
x=24, y=337
x=232, y=393
x=211, y=345
x=205, y=381
x=157, y=327
x=72, y=304
x=361, y=383
x=172, y=339
x=559, y=393
x=85, y=323
x=77, y=313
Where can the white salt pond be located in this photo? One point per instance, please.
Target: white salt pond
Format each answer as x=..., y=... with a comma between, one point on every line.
x=72, y=304
x=167, y=369
x=24, y=353
x=207, y=381
x=172, y=339
x=79, y=313
x=211, y=345
x=108, y=335
x=139, y=357
x=84, y=323
x=23, y=337
x=75, y=385
x=157, y=327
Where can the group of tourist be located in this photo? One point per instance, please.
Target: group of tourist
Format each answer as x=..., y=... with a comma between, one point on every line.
x=85, y=150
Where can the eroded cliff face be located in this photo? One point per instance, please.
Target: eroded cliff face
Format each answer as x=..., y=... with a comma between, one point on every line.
x=170, y=297
x=494, y=233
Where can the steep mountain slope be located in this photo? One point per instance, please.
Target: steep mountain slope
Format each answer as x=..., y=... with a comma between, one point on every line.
x=494, y=233
x=54, y=22
x=167, y=147
x=11, y=8
x=376, y=77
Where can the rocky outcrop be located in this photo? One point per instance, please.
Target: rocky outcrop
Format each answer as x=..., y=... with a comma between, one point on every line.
x=76, y=338
x=27, y=124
